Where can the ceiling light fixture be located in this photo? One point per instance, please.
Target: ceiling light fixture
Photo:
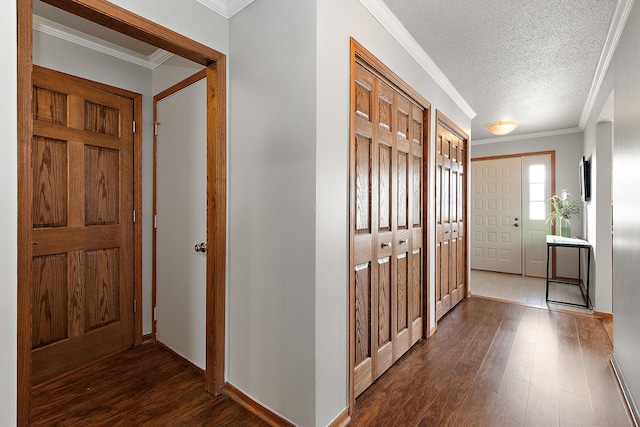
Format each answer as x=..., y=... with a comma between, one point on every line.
x=501, y=128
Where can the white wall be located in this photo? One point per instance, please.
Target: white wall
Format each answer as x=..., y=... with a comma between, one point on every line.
x=597, y=219
x=626, y=225
x=337, y=21
x=272, y=167
x=186, y=17
x=568, y=150
x=8, y=212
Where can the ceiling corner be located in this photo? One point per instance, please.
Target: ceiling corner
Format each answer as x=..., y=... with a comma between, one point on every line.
x=390, y=22
x=235, y=6
x=226, y=8
x=218, y=6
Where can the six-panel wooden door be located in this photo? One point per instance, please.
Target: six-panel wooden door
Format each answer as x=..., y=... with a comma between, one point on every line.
x=387, y=213
x=82, y=223
x=450, y=215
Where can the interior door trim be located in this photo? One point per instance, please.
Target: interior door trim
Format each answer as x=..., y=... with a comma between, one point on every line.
x=360, y=55
x=122, y=20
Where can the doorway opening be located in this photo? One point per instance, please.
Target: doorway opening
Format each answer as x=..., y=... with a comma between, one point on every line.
x=510, y=203
x=119, y=19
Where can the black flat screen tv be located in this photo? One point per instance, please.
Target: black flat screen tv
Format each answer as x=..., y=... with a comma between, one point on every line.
x=585, y=179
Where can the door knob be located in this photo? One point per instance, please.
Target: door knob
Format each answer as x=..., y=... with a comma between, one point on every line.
x=516, y=225
x=386, y=245
x=201, y=247
x=402, y=242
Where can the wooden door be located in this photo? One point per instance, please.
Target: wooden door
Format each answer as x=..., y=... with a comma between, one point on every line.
x=181, y=211
x=82, y=223
x=497, y=215
x=450, y=216
x=386, y=224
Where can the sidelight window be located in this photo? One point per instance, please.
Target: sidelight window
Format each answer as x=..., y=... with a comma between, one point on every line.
x=537, y=189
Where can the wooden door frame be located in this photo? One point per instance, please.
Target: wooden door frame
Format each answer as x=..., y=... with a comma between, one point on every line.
x=359, y=54
x=124, y=21
x=552, y=185
x=447, y=123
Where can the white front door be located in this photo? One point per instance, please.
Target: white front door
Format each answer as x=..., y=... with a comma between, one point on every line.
x=496, y=242
x=181, y=206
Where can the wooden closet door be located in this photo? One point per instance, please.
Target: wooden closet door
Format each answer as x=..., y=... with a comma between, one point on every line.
x=450, y=193
x=386, y=187
x=82, y=223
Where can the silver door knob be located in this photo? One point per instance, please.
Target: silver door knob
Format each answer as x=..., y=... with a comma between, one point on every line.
x=201, y=247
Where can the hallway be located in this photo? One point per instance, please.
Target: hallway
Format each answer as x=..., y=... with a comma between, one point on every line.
x=498, y=364
x=489, y=364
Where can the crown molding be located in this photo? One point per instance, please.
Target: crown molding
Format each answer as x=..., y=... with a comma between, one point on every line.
x=623, y=9
x=520, y=137
x=226, y=8
x=158, y=58
x=381, y=12
x=235, y=6
x=57, y=30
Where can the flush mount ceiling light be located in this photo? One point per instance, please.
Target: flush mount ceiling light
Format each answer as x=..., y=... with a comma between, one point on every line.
x=501, y=128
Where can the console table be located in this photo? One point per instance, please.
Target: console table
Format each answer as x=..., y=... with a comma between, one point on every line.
x=579, y=244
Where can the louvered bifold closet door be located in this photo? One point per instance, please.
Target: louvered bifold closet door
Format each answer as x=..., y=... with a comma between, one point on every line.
x=386, y=183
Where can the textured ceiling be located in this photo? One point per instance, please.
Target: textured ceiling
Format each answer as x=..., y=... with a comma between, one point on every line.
x=530, y=61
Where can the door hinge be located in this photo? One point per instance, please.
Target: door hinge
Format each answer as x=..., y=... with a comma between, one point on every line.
x=134, y=126
x=134, y=216
x=135, y=306
x=155, y=221
x=155, y=314
x=155, y=128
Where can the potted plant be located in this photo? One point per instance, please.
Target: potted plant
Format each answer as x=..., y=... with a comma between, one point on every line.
x=562, y=209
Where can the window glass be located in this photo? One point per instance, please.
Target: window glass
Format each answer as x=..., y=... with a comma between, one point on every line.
x=537, y=189
x=537, y=210
x=536, y=192
x=537, y=174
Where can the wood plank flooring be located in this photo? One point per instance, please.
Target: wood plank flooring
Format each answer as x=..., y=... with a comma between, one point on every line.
x=489, y=364
x=143, y=386
x=497, y=364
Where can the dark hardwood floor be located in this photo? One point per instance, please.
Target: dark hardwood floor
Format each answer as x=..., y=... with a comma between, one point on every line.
x=489, y=364
x=497, y=364
x=143, y=386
